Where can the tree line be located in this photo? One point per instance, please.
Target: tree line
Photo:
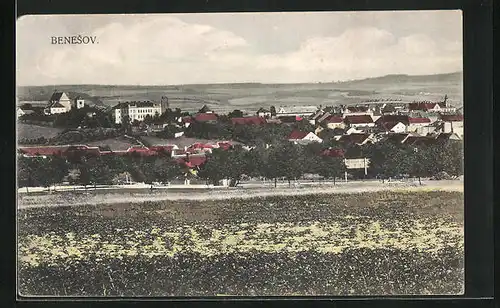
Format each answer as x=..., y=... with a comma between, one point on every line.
x=83, y=169
x=282, y=160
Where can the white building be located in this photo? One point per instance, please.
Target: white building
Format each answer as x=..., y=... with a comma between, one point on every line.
x=453, y=124
x=263, y=113
x=20, y=112
x=357, y=110
x=334, y=122
x=60, y=102
x=299, y=137
x=300, y=111
x=397, y=127
x=358, y=121
x=135, y=111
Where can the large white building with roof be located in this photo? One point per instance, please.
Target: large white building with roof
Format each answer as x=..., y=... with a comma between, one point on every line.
x=135, y=111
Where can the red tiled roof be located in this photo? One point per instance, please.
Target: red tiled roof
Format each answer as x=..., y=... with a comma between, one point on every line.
x=452, y=117
x=334, y=119
x=187, y=120
x=192, y=161
x=397, y=137
x=388, y=118
x=159, y=148
x=419, y=140
x=390, y=125
x=248, y=120
x=198, y=145
x=358, y=119
x=419, y=120
x=205, y=117
x=333, y=153
x=357, y=109
x=288, y=119
x=225, y=145
x=354, y=138
x=59, y=150
x=297, y=135
x=51, y=150
x=142, y=151
x=422, y=106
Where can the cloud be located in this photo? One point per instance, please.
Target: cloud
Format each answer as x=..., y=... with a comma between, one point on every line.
x=135, y=51
x=368, y=52
x=159, y=49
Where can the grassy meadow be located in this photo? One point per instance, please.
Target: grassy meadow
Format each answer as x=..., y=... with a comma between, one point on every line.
x=377, y=243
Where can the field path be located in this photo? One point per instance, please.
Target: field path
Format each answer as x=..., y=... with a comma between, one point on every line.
x=95, y=198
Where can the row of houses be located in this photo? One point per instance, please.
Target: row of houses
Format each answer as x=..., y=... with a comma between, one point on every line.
x=190, y=157
x=363, y=138
x=61, y=102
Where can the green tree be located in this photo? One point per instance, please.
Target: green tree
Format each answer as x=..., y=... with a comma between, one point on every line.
x=148, y=119
x=331, y=167
x=26, y=167
x=166, y=170
x=452, y=158
x=47, y=171
x=235, y=114
x=214, y=169
x=94, y=170
x=304, y=125
x=275, y=160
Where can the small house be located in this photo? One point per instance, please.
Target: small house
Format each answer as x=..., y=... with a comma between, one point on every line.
x=300, y=137
x=263, y=113
x=359, y=121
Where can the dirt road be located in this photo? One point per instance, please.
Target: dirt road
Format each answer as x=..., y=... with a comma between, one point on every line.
x=104, y=197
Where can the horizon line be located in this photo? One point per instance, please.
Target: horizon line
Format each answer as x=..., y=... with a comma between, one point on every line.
x=240, y=83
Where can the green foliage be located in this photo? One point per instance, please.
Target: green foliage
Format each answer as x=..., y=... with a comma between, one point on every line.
x=231, y=164
x=41, y=171
x=235, y=114
x=73, y=136
x=88, y=117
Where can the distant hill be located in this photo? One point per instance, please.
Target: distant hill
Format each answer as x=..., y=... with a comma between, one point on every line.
x=456, y=77
x=43, y=93
x=251, y=96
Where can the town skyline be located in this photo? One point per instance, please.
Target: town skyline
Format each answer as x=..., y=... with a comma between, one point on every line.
x=269, y=48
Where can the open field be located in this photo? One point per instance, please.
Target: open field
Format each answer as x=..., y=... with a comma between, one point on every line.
x=251, y=96
x=138, y=193
x=115, y=144
x=371, y=243
x=31, y=131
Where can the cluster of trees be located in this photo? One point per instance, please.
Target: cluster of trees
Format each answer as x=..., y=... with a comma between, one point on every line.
x=39, y=140
x=37, y=117
x=92, y=170
x=281, y=160
x=391, y=160
x=269, y=133
x=70, y=136
x=289, y=161
x=87, y=117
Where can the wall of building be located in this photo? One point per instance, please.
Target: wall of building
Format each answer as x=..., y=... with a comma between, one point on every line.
x=55, y=110
x=335, y=125
x=454, y=127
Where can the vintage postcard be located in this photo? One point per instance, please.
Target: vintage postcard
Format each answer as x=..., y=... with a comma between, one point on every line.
x=240, y=154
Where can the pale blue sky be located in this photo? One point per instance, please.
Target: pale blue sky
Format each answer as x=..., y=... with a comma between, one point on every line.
x=243, y=47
